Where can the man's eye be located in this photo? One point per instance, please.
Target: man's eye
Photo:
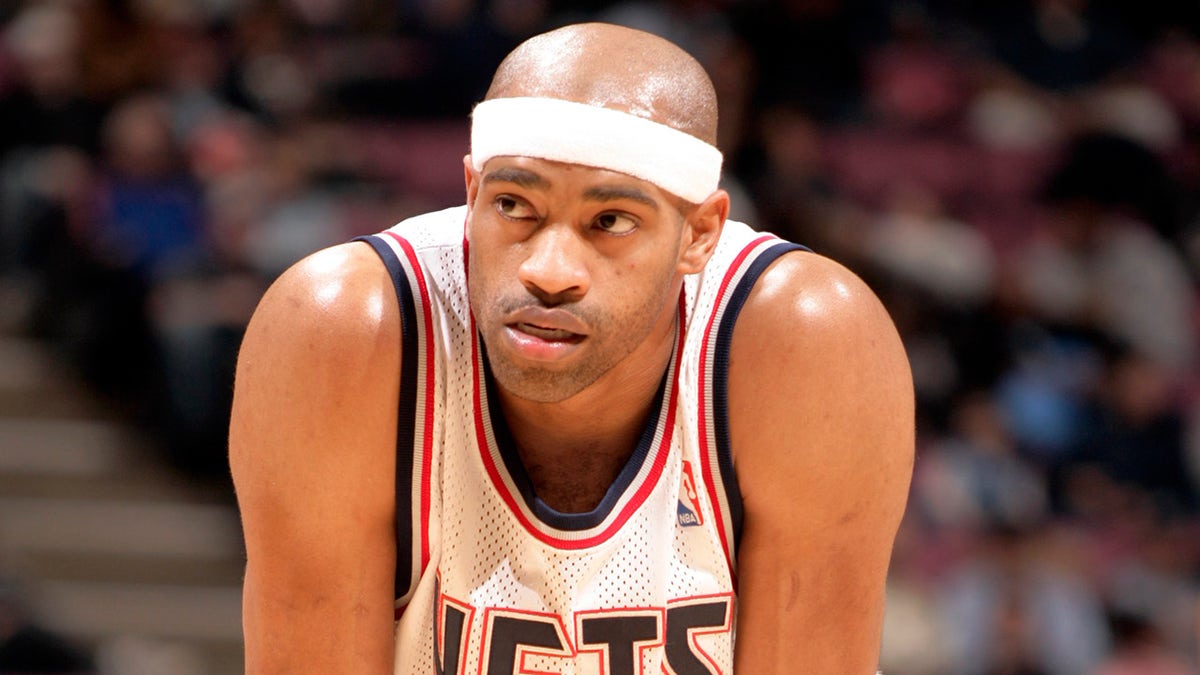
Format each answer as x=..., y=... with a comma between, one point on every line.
x=616, y=223
x=511, y=207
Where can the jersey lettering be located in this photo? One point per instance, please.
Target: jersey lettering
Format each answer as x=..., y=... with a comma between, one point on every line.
x=512, y=637
x=686, y=620
x=451, y=624
x=620, y=637
x=611, y=642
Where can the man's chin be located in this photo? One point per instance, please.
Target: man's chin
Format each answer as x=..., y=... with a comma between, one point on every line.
x=538, y=384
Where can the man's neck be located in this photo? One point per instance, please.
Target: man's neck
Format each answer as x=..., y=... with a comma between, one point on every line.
x=573, y=450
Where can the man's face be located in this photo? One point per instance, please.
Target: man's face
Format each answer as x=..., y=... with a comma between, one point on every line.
x=572, y=270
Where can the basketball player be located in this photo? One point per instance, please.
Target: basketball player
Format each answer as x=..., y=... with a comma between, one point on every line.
x=581, y=424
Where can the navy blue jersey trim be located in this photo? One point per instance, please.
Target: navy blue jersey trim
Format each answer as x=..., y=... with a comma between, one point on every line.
x=406, y=427
x=720, y=375
x=570, y=522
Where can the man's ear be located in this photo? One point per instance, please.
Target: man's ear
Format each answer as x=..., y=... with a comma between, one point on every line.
x=702, y=229
x=471, y=178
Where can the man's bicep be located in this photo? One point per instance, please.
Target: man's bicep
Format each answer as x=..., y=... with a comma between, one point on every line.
x=821, y=420
x=312, y=450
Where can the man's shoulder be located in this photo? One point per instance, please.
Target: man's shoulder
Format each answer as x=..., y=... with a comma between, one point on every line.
x=802, y=290
x=336, y=298
x=809, y=314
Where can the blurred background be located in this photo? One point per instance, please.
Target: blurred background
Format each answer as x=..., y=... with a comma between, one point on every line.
x=1018, y=179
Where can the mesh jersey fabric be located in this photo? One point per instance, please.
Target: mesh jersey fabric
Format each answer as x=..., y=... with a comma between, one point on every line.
x=491, y=580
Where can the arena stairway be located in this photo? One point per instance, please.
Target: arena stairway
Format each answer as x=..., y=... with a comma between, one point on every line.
x=113, y=550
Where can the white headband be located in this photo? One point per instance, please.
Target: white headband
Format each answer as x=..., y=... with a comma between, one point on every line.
x=577, y=133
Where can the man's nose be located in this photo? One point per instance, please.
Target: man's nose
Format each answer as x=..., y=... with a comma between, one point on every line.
x=555, y=266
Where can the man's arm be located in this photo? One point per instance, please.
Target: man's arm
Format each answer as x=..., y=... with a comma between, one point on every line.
x=822, y=429
x=312, y=450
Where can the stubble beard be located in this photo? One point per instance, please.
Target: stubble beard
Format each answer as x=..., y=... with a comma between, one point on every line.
x=613, y=340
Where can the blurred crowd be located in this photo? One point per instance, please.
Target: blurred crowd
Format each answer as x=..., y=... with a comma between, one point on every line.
x=1018, y=179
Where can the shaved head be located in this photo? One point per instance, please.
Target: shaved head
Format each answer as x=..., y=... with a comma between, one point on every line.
x=613, y=67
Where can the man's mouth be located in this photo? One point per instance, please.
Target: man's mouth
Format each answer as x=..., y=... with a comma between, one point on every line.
x=547, y=333
x=548, y=324
x=544, y=335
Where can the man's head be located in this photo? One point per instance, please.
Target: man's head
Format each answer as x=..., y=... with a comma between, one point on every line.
x=591, y=190
x=617, y=68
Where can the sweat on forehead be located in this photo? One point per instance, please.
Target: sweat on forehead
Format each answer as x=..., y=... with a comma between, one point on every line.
x=613, y=67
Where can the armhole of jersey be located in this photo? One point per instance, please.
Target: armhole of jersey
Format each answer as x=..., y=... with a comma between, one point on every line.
x=725, y=488
x=413, y=417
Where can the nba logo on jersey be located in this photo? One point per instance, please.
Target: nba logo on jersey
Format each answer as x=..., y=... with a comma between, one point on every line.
x=689, y=502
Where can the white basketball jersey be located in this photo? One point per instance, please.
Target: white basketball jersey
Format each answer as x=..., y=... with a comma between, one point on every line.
x=492, y=580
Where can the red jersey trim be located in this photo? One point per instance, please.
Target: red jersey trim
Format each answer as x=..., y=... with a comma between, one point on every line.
x=427, y=422
x=707, y=444
x=658, y=456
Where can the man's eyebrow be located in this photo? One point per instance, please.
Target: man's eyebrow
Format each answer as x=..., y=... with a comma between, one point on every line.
x=521, y=177
x=606, y=193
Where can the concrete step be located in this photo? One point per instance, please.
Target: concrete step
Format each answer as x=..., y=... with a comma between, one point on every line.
x=151, y=529
x=96, y=610
x=68, y=446
x=34, y=384
x=135, y=655
x=134, y=485
x=116, y=551
x=132, y=569
x=27, y=364
x=91, y=459
x=148, y=628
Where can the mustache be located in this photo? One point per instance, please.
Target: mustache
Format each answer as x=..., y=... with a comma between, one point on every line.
x=512, y=304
